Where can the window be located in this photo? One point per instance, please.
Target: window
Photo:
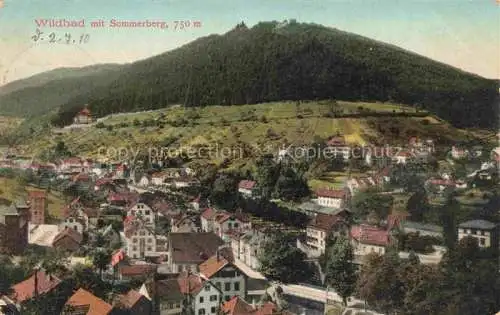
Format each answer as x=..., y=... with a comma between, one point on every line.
x=227, y=286
x=212, y=310
x=213, y=298
x=227, y=298
x=170, y=305
x=482, y=241
x=236, y=286
x=201, y=299
x=149, y=248
x=177, y=305
x=207, y=287
x=135, y=240
x=134, y=248
x=236, y=225
x=201, y=311
x=147, y=212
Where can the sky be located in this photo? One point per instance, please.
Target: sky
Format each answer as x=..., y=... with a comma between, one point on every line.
x=462, y=33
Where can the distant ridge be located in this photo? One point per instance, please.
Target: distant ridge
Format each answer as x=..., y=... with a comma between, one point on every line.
x=272, y=61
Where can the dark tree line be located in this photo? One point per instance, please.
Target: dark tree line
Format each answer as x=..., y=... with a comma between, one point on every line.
x=298, y=62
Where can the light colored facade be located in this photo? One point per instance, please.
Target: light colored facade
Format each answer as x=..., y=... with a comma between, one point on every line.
x=143, y=211
x=484, y=231
x=330, y=198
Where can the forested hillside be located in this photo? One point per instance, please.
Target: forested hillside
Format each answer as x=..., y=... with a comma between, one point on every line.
x=271, y=62
x=48, y=91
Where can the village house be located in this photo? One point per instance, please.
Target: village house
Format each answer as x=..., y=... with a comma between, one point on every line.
x=187, y=250
x=246, y=187
x=206, y=218
x=185, y=223
x=133, y=302
x=221, y=270
x=83, y=117
x=459, y=153
x=368, y=239
x=332, y=198
x=141, y=237
x=486, y=232
x=185, y=181
x=13, y=228
x=167, y=295
x=201, y=295
x=24, y=291
x=84, y=302
x=357, y=184
x=68, y=240
x=338, y=147
x=324, y=226
x=136, y=272
x=71, y=165
x=238, y=306
x=145, y=180
x=38, y=206
x=142, y=210
x=247, y=247
x=224, y=222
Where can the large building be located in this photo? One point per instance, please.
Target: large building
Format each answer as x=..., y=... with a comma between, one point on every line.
x=83, y=117
x=13, y=228
x=323, y=226
x=187, y=250
x=484, y=231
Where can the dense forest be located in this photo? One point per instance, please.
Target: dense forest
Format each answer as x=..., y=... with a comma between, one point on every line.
x=289, y=61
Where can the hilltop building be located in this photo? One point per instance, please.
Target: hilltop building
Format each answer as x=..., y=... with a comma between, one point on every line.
x=84, y=116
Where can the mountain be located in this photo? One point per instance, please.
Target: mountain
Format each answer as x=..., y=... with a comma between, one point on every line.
x=49, y=90
x=280, y=61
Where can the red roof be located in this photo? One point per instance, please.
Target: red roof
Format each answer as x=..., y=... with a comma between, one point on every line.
x=246, y=184
x=117, y=256
x=189, y=283
x=331, y=193
x=130, y=299
x=84, y=299
x=68, y=232
x=137, y=270
x=24, y=290
x=209, y=213
x=37, y=194
x=211, y=266
x=325, y=222
x=371, y=235
x=84, y=112
x=404, y=153
x=238, y=306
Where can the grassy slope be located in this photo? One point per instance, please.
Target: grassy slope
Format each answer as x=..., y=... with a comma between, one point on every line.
x=11, y=190
x=223, y=125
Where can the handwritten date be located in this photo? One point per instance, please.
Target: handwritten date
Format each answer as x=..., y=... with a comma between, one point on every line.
x=52, y=37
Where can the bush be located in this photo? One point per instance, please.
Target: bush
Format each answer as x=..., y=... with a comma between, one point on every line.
x=263, y=119
x=100, y=125
x=109, y=128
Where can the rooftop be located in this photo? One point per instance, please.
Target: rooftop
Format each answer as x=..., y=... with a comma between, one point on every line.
x=478, y=224
x=93, y=305
x=25, y=290
x=194, y=247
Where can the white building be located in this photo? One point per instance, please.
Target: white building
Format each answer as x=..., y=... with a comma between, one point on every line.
x=368, y=239
x=246, y=187
x=221, y=270
x=484, y=231
x=320, y=228
x=331, y=198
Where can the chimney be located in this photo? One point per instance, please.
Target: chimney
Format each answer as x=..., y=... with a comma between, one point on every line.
x=35, y=293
